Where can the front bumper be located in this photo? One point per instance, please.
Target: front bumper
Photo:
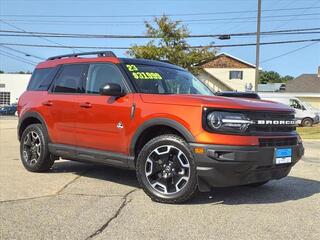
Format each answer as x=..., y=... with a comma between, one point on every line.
x=223, y=166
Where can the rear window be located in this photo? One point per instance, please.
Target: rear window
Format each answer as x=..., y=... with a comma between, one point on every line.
x=41, y=79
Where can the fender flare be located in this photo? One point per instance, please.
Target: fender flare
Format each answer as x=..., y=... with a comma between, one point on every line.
x=160, y=121
x=27, y=115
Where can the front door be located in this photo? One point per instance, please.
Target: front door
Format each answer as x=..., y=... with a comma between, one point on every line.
x=103, y=121
x=300, y=110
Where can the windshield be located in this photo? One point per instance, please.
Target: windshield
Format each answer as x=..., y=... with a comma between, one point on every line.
x=308, y=105
x=164, y=80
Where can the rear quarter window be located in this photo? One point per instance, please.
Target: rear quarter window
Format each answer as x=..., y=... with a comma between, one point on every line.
x=41, y=79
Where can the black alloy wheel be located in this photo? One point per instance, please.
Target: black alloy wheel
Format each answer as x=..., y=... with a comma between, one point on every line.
x=34, y=151
x=166, y=169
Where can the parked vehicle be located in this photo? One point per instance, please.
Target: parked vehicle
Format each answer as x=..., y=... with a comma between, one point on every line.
x=306, y=115
x=155, y=118
x=8, y=110
x=238, y=94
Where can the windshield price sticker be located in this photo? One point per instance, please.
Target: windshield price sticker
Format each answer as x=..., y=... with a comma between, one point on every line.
x=132, y=68
x=142, y=75
x=147, y=75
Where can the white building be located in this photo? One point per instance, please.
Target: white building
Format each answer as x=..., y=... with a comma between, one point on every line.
x=12, y=86
x=228, y=73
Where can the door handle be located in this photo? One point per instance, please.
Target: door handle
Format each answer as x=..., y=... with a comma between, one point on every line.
x=85, y=105
x=48, y=103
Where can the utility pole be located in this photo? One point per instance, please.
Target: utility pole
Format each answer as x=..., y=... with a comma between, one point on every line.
x=258, y=47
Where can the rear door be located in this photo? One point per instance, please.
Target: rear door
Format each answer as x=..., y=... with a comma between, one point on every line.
x=63, y=103
x=103, y=121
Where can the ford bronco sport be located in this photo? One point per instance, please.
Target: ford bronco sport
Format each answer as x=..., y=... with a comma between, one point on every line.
x=155, y=118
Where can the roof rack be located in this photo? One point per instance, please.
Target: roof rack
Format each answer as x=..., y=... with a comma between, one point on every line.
x=99, y=53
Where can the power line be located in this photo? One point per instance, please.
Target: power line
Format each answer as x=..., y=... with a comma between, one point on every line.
x=159, y=1
x=264, y=43
x=139, y=24
x=253, y=21
x=16, y=58
x=141, y=21
x=27, y=60
x=24, y=53
x=287, y=53
x=65, y=46
x=125, y=48
x=111, y=36
x=153, y=15
x=21, y=29
x=139, y=37
x=314, y=3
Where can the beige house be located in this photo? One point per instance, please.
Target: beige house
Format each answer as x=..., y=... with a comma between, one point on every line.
x=228, y=73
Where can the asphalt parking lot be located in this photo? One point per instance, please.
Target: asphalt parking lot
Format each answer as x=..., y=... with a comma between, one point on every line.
x=82, y=201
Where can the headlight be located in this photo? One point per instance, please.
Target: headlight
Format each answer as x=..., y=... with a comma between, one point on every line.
x=227, y=121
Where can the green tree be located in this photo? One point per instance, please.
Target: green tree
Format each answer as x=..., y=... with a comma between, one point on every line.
x=1, y=71
x=273, y=77
x=287, y=78
x=168, y=42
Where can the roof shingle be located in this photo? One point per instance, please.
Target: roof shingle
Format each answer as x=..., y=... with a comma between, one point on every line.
x=308, y=83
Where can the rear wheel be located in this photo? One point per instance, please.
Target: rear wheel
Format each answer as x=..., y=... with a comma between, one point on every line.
x=307, y=122
x=34, y=152
x=166, y=170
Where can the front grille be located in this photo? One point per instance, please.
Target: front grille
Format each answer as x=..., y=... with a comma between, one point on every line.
x=270, y=129
x=277, y=142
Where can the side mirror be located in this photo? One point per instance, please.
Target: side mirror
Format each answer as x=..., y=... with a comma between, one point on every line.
x=112, y=89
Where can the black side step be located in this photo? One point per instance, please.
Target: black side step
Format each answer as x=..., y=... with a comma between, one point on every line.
x=92, y=155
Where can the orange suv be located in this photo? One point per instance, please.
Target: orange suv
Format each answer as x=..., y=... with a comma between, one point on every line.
x=155, y=118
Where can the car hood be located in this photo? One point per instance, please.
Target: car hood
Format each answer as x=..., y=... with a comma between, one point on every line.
x=214, y=102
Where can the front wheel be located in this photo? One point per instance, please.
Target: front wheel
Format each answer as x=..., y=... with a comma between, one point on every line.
x=166, y=170
x=307, y=122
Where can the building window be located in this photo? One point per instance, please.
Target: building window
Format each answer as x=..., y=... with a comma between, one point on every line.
x=2, y=85
x=4, y=98
x=236, y=75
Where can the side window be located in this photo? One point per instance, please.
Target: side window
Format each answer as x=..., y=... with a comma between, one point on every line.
x=236, y=75
x=69, y=79
x=295, y=104
x=41, y=79
x=101, y=74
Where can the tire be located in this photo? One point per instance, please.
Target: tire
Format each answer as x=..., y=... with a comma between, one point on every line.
x=307, y=122
x=258, y=184
x=164, y=176
x=34, y=151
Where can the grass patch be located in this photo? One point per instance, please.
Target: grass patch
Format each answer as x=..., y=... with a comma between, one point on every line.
x=309, y=132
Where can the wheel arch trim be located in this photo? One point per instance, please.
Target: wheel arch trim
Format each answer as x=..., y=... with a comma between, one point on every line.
x=157, y=122
x=29, y=115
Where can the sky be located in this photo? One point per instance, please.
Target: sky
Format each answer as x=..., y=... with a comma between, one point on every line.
x=126, y=17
